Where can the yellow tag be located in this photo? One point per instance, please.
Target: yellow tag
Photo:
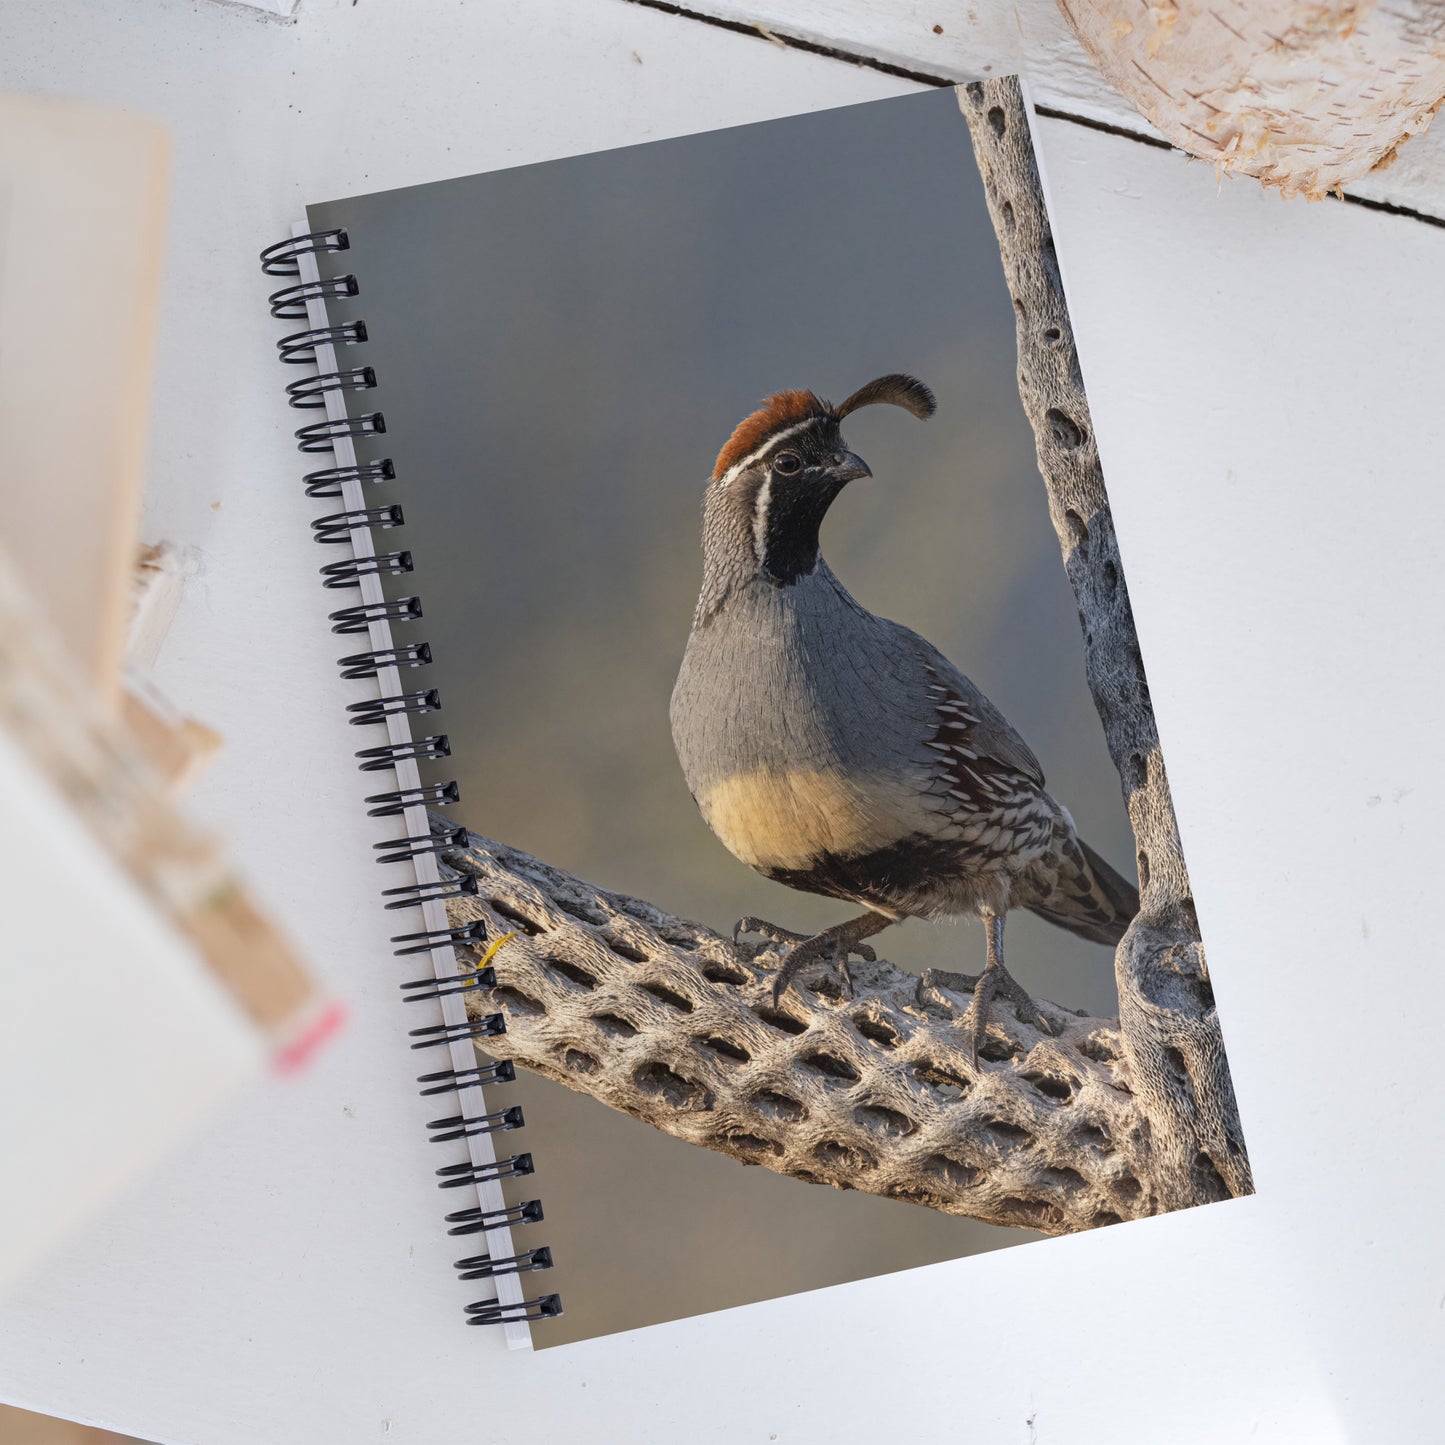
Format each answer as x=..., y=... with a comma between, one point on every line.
x=491, y=953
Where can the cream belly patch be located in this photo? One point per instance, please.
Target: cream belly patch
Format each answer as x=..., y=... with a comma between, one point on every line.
x=781, y=820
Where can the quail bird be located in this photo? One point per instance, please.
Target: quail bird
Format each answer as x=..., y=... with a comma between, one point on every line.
x=842, y=754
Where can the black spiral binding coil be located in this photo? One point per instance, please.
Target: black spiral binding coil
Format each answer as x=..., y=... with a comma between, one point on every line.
x=423, y=988
x=348, y=475
x=338, y=526
x=447, y=1081
x=327, y=483
x=310, y=392
x=359, y=619
x=299, y=348
x=440, y=795
x=474, y=1221
x=321, y=436
x=382, y=759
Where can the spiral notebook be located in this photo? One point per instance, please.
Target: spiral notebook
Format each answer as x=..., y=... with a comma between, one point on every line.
x=600, y=736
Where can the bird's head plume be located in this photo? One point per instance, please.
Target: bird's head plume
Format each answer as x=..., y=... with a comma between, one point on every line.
x=788, y=413
x=782, y=468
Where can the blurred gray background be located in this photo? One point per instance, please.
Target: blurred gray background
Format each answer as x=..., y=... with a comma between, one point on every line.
x=561, y=351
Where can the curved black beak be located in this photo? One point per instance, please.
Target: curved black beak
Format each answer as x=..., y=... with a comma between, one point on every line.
x=849, y=467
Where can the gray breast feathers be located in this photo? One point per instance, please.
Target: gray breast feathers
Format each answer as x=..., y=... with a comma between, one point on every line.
x=806, y=727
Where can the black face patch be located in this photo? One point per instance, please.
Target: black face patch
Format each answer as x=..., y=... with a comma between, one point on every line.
x=792, y=500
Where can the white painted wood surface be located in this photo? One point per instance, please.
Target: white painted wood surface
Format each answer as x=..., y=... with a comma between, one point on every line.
x=1264, y=378
x=976, y=39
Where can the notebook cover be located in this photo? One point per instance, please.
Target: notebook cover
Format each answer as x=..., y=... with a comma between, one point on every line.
x=560, y=354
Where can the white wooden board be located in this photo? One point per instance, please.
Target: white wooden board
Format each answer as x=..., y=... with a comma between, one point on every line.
x=953, y=41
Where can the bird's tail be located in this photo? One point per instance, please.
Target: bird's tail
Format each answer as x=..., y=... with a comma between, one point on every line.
x=1088, y=897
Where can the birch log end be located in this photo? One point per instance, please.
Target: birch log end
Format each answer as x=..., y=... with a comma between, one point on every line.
x=1305, y=97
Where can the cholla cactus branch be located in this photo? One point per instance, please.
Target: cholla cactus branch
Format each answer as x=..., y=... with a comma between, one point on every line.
x=1170, y=1027
x=669, y=1022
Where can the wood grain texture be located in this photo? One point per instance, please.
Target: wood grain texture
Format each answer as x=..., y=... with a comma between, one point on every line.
x=1302, y=96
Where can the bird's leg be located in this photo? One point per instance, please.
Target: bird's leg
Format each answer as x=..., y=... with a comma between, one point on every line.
x=994, y=979
x=833, y=944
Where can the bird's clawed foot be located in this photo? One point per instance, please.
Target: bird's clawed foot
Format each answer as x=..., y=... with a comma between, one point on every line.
x=766, y=930
x=833, y=945
x=995, y=980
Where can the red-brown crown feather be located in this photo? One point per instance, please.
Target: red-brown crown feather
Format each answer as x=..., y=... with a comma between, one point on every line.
x=782, y=409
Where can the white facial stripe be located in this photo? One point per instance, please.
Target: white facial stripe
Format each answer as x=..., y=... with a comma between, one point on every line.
x=736, y=470
x=760, y=521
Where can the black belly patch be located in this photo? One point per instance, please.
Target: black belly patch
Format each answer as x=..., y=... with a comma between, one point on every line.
x=887, y=878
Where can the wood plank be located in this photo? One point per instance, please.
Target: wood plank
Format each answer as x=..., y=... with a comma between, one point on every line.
x=944, y=43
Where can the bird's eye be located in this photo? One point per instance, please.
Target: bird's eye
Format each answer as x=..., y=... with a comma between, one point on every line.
x=787, y=464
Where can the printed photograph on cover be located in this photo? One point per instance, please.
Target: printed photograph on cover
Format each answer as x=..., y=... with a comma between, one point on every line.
x=792, y=690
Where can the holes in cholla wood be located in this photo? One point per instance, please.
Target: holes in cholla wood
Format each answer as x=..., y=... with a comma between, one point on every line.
x=658, y=1081
x=948, y=1085
x=882, y=1120
x=1007, y=1135
x=953, y=1173
x=1093, y=1137
x=670, y=997
x=716, y=971
x=725, y=1049
x=776, y=1019
x=999, y=1050
x=1078, y=533
x=614, y=1026
x=830, y=1067
x=1050, y=255
x=623, y=949
x=1136, y=770
x=1032, y=1213
x=778, y=1106
x=503, y=909
x=844, y=1161
x=876, y=1030
x=1061, y=1091
x=572, y=972
x=1067, y=1181
x=1064, y=430
x=514, y=1001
